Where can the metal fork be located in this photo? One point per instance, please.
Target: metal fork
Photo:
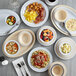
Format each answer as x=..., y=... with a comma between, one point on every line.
x=20, y=68
x=7, y=32
x=23, y=64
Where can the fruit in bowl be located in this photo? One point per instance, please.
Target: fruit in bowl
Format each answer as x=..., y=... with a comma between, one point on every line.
x=46, y=35
x=11, y=20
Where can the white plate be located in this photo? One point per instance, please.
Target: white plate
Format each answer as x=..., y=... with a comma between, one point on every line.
x=4, y=27
x=36, y=69
x=23, y=11
x=71, y=14
x=65, y=39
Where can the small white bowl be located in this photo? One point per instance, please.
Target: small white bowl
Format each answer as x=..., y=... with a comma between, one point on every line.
x=42, y=69
x=20, y=38
x=43, y=42
x=51, y=3
x=7, y=52
x=62, y=52
x=6, y=20
x=58, y=13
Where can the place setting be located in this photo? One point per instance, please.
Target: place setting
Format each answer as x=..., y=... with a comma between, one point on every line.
x=20, y=43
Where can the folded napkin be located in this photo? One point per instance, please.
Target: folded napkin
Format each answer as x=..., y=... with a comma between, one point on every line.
x=18, y=71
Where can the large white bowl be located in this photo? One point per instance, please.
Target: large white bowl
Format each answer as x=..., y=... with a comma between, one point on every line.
x=34, y=68
x=23, y=11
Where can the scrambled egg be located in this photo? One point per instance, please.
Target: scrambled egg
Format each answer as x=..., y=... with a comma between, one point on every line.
x=30, y=16
x=66, y=48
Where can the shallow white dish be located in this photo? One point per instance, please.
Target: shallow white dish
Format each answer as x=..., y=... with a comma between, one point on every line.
x=51, y=41
x=42, y=69
x=4, y=27
x=23, y=11
x=7, y=52
x=65, y=39
x=71, y=14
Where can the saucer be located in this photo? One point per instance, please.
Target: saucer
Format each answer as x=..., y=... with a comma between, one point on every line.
x=56, y=48
x=59, y=64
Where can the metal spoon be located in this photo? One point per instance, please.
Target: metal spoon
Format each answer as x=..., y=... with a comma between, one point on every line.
x=63, y=25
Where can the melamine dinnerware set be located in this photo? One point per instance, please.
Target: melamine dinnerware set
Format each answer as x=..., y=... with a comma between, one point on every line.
x=24, y=39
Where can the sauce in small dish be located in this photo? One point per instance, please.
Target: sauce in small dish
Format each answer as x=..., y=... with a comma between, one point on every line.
x=51, y=2
x=46, y=35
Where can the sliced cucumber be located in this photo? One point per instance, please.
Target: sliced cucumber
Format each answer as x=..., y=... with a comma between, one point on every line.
x=10, y=23
x=9, y=19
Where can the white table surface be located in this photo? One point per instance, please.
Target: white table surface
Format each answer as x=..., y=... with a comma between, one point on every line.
x=9, y=70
